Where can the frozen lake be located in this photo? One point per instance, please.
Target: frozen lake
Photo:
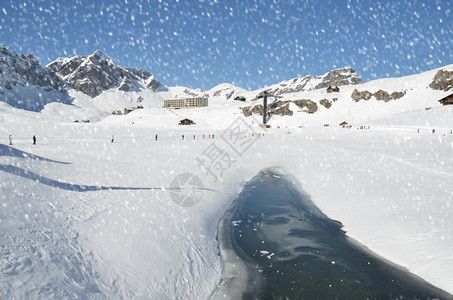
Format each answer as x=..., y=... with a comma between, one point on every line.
x=275, y=243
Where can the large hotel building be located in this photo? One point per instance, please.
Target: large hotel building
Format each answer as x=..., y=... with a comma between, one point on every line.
x=186, y=102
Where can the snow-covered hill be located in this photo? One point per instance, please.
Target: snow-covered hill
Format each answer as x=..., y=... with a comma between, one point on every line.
x=84, y=217
x=79, y=88
x=355, y=104
x=95, y=86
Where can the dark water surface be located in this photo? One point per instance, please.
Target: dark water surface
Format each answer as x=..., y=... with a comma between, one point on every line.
x=276, y=244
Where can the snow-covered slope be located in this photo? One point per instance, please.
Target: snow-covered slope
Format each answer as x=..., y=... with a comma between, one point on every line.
x=82, y=217
x=338, y=77
x=99, y=87
x=356, y=104
x=91, y=86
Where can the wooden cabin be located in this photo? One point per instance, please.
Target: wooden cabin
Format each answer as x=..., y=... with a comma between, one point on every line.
x=186, y=122
x=447, y=100
x=334, y=89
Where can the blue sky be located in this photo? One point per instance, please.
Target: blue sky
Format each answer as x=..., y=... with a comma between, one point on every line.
x=250, y=43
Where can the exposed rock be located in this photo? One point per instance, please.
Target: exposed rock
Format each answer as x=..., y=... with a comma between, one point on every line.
x=397, y=95
x=26, y=84
x=283, y=110
x=189, y=93
x=326, y=103
x=310, y=106
x=155, y=85
x=443, y=80
x=345, y=76
x=363, y=95
x=339, y=77
x=379, y=95
x=128, y=84
x=248, y=110
x=97, y=72
x=227, y=93
x=296, y=85
x=139, y=73
x=25, y=70
x=382, y=95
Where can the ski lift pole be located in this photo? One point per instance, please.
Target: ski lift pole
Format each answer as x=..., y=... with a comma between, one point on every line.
x=265, y=108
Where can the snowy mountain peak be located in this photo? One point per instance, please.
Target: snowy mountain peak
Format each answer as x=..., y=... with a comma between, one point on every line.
x=25, y=70
x=225, y=91
x=337, y=77
x=26, y=84
x=99, y=54
x=92, y=74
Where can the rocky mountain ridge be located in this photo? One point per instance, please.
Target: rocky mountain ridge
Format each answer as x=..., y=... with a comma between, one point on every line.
x=337, y=77
x=95, y=73
x=309, y=95
x=25, y=70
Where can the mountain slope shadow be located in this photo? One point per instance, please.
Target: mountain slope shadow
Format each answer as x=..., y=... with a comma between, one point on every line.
x=34, y=98
x=63, y=185
x=13, y=152
x=7, y=168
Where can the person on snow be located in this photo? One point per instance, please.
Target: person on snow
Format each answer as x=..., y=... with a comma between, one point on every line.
x=10, y=140
x=113, y=138
x=34, y=140
x=156, y=137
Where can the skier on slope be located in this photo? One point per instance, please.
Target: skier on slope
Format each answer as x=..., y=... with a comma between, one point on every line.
x=34, y=140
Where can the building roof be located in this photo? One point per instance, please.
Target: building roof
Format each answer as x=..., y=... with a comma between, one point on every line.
x=446, y=98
